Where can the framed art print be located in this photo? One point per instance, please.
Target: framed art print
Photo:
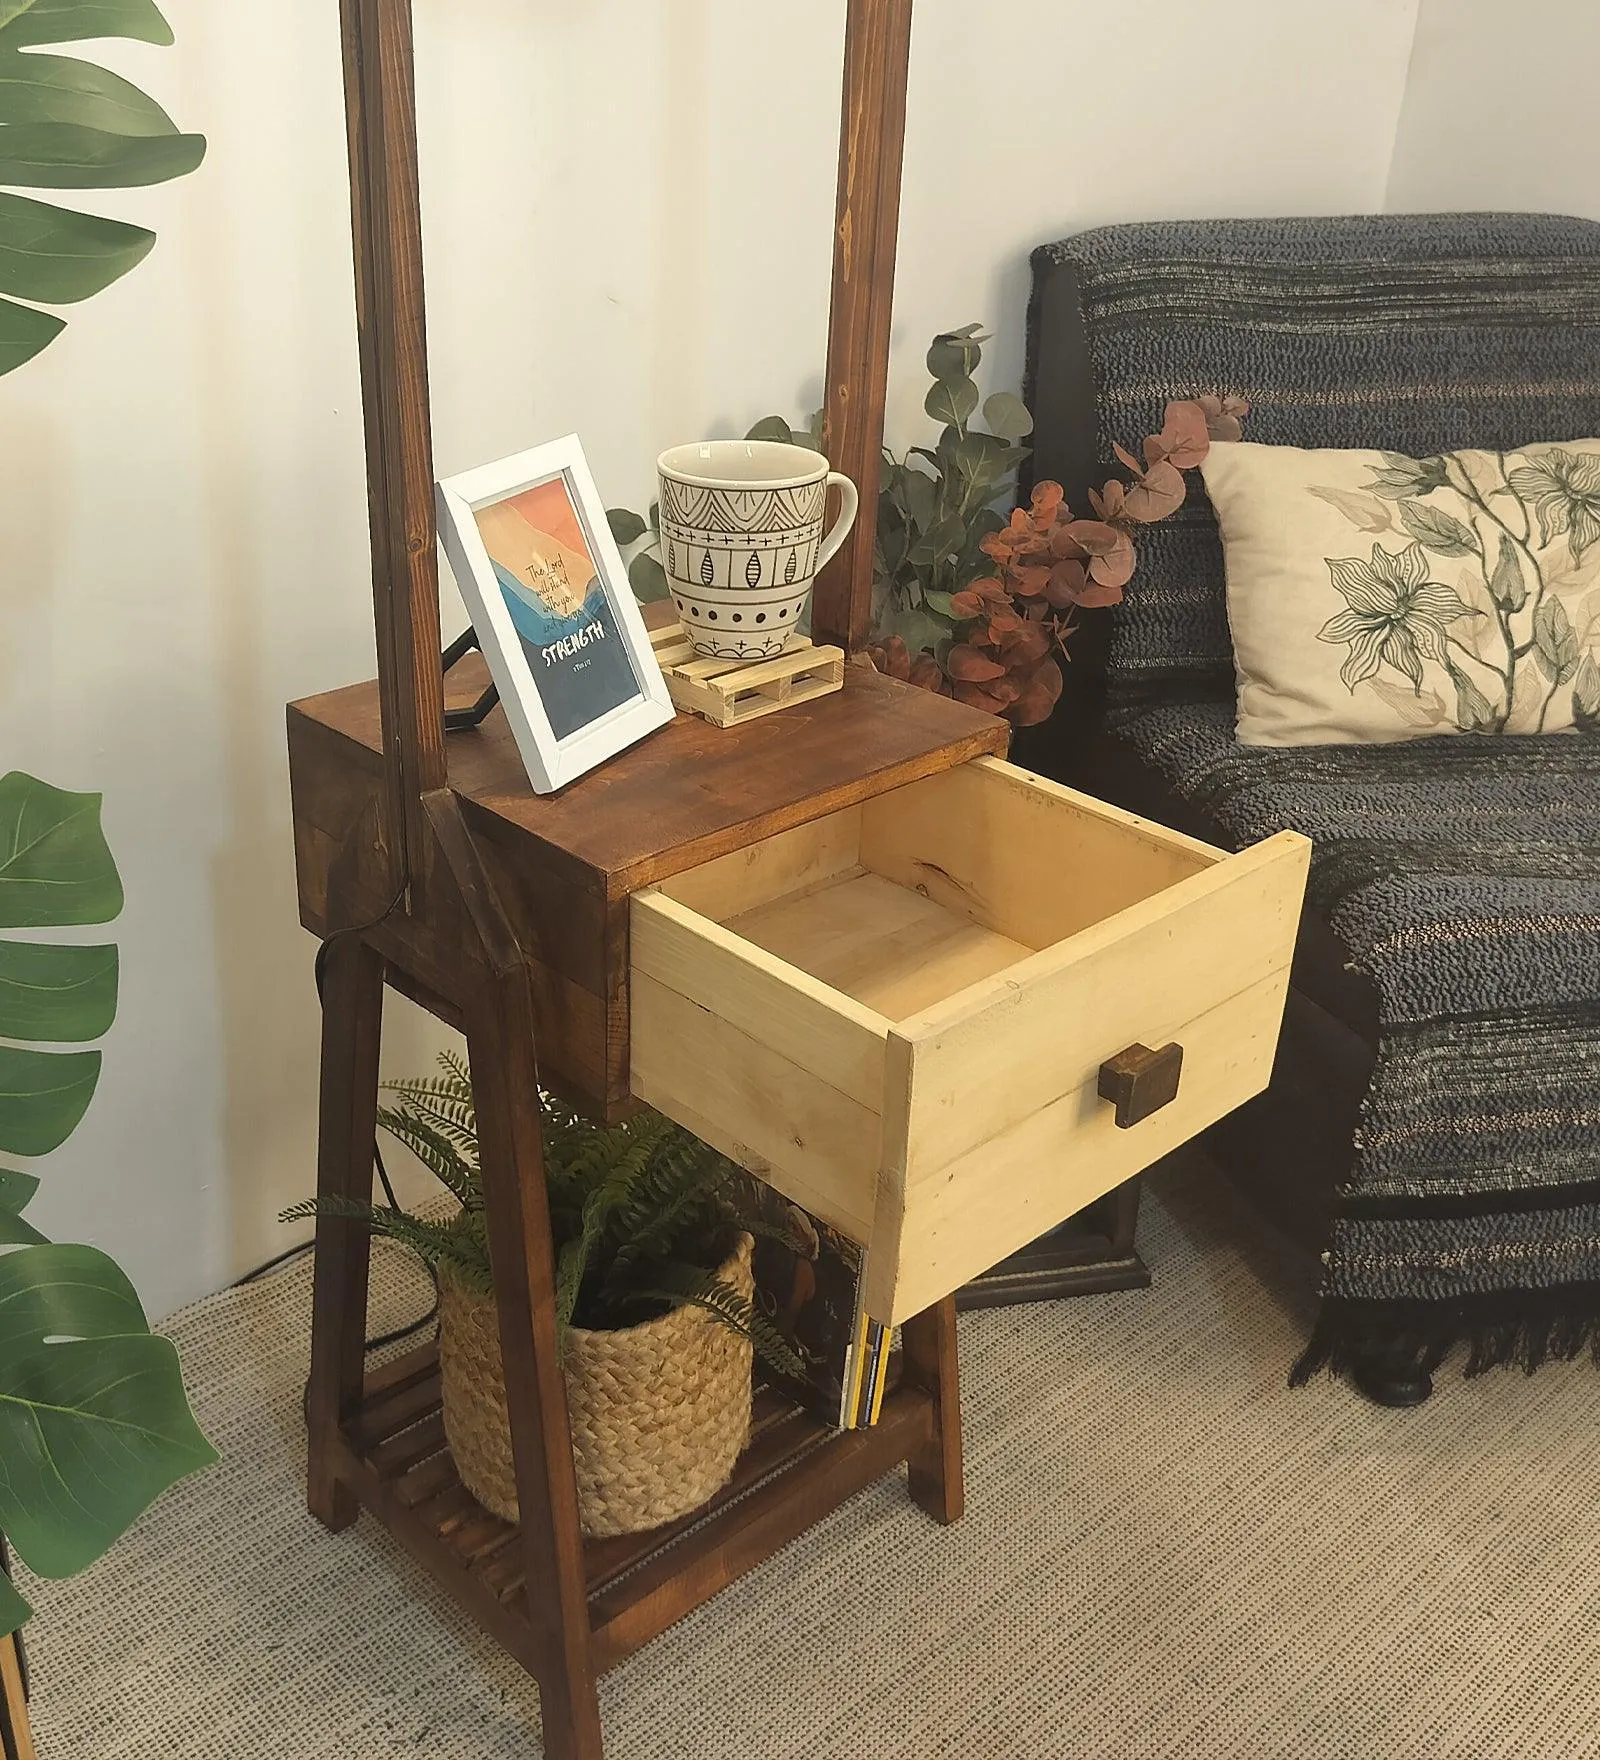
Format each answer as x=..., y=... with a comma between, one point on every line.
x=550, y=602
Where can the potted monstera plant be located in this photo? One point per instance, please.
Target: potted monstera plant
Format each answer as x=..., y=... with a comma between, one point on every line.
x=94, y=1424
x=93, y=1419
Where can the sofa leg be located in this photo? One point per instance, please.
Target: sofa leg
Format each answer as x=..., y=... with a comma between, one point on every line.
x=1390, y=1381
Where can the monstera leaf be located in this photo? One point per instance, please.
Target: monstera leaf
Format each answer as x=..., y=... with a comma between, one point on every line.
x=94, y=1425
x=93, y=1420
x=55, y=869
x=67, y=124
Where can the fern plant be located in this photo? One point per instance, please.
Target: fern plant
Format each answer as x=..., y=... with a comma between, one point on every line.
x=642, y=1213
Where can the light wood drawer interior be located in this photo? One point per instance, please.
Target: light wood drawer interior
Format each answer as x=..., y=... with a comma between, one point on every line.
x=897, y=1014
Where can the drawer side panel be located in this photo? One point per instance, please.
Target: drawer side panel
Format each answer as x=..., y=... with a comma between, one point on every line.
x=808, y=1139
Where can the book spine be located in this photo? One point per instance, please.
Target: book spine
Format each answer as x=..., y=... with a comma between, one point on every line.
x=885, y=1341
x=854, y=1367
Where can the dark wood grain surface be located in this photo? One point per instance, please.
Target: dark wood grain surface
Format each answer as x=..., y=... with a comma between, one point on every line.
x=866, y=232
x=684, y=795
x=380, y=110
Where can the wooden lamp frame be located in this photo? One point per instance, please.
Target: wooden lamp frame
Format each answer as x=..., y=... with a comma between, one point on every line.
x=439, y=885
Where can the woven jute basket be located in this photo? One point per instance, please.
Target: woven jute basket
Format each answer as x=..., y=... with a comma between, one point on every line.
x=660, y=1412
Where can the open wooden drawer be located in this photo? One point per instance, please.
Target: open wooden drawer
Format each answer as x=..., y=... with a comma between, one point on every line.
x=897, y=1015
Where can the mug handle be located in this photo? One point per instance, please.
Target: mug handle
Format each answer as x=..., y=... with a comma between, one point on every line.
x=849, y=505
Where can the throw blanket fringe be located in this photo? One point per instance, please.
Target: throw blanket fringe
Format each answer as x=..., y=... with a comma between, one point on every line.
x=1521, y=1329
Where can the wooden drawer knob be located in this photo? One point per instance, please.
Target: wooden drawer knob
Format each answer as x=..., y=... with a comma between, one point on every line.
x=1140, y=1081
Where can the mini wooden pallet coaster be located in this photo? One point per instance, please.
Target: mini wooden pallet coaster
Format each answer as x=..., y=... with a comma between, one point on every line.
x=728, y=692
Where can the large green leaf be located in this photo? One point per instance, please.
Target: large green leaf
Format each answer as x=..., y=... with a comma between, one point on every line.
x=61, y=88
x=43, y=1097
x=68, y=124
x=16, y=1189
x=78, y=21
x=17, y=1231
x=55, y=866
x=94, y=1425
x=65, y=155
x=14, y=1611
x=25, y=333
x=67, y=995
x=54, y=254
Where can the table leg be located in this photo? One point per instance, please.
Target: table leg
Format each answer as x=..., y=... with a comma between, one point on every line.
x=928, y=1339
x=352, y=1024
x=505, y=1088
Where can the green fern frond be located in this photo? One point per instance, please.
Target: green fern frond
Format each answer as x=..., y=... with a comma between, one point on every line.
x=631, y=1206
x=434, y=1243
x=437, y=1152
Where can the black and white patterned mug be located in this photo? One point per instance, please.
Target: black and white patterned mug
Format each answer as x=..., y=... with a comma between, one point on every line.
x=742, y=539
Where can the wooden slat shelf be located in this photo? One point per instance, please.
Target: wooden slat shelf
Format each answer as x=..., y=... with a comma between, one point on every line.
x=794, y=1470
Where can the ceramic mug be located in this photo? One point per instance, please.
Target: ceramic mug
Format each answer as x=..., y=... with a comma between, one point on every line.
x=742, y=539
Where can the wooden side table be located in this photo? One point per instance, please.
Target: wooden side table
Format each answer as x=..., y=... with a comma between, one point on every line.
x=817, y=938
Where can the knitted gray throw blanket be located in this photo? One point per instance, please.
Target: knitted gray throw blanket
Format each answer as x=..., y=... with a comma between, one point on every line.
x=1464, y=876
x=1463, y=873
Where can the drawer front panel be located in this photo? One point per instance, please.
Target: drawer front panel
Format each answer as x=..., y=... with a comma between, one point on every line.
x=1000, y=1131
x=989, y=1203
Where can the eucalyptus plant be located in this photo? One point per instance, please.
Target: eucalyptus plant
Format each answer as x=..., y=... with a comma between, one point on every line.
x=67, y=124
x=94, y=1424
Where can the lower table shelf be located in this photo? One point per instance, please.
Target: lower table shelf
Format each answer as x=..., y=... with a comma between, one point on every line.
x=793, y=1471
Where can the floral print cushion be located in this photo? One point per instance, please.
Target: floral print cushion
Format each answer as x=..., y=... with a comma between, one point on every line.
x=1374, y=597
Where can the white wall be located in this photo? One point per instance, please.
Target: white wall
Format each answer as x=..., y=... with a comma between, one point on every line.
x=629, y=207
x=1499, y=109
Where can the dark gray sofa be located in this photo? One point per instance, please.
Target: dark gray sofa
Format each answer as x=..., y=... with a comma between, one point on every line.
x=1432, y=1133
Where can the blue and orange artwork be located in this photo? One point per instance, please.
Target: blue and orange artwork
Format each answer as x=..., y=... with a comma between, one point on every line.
x=558, y=605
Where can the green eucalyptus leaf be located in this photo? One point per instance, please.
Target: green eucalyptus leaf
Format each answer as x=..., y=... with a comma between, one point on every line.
x=67, y=995
x=55, y=866
x=1007, y=415
x=65, y=155
x=25, y=333
x=43, y=1097
x=16, y=1190
x=94, y=1425
x=951, y=400
x=62, y=89
x=56, y=255
x=939, y=604
x=647, y=578
x=1555, y=643
x=918, y=496
x=14, y=1611
x=772, y=428
x=78, y=21
x=942, y=537
x=626, y=526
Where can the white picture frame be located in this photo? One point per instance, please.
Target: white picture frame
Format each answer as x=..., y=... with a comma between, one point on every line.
x=540, y=681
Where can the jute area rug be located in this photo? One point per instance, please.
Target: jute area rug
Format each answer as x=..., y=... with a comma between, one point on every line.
x=1166, y=1553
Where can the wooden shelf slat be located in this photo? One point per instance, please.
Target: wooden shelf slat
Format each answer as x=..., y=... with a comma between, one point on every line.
x=793, y=1471
x=716, y=1552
